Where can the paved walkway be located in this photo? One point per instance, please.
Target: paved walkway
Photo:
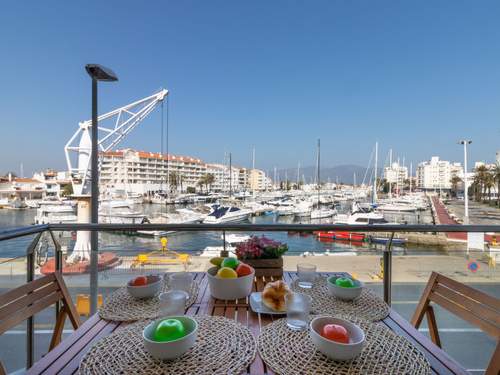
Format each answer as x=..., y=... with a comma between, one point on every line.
x=443, y=217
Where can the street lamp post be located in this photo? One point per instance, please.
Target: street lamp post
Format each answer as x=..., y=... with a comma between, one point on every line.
x=97, y=73
x=465, y=142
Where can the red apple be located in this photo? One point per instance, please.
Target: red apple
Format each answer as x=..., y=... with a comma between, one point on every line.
x=140, y=281
x=243, y=269
x=336, y=333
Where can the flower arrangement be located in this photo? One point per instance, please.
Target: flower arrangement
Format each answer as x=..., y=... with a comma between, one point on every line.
x=261, y=248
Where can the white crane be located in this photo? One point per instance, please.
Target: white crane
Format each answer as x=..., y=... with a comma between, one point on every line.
x=126, y=119
x=123, y=120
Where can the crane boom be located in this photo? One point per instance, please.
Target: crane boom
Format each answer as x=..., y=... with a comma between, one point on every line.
x=126, y=119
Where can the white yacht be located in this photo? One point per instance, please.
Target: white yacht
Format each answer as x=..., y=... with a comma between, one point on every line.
x=179, y=217
x=360, y=216
x=115, y=203
x=258, y=208
x=303, y=209
x=234, y=239
x=55, y=212
x=224, y=214
x=322, y=213
x=397, y=207
x=121, y=216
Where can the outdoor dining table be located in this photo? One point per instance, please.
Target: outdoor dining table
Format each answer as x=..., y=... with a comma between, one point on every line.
x=66, y=357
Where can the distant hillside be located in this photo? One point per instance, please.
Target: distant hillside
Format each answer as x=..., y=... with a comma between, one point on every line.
x=344, y=174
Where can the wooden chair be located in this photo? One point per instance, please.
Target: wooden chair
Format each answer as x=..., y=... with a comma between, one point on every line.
x=468, y=303
x=20, y=303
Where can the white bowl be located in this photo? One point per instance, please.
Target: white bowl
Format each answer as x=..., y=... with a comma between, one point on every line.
x=170, y=349
x=347, y=294
x=336, y=350
x=146, y=291
x=229, y=288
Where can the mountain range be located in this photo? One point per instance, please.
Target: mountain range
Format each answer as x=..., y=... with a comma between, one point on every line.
x=341, y=173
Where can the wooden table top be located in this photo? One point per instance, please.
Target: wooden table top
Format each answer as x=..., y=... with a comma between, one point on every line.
x=66, y=357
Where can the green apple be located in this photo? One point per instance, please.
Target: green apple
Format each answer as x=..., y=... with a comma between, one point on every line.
x=169, y=330
x=230, y=262
x=344, y=282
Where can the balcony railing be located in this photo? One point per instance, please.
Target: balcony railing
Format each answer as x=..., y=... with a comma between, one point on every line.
x=36, y=232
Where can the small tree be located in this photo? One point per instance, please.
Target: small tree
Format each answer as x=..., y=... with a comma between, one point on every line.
x=455, y=180
x=67, y=190
x=496, y=179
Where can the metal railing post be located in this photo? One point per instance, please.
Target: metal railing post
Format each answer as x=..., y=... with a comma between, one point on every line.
x=30, y=324
x=224, y=253
x=58, y=265
x=387, y=264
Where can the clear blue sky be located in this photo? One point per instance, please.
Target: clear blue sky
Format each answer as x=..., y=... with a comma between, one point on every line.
x=416, y=76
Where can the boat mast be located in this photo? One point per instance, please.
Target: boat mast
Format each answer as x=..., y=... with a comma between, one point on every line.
x=390, y=168
x=298, y=175
x=230, y=177
x=411, y=167
x=374, y=198
x=253, y=169
x=319, y=180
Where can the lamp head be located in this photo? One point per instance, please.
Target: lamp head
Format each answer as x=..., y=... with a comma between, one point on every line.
x=100, y=73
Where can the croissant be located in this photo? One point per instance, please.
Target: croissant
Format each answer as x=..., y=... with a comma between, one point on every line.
x=273, y=295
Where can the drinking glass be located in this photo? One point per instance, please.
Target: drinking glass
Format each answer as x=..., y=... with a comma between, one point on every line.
x=298, y=306
x=173, y=303
x=307, y=274
x=181, y=281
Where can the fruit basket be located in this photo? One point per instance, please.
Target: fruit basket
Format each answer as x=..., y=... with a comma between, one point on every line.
x=229, y=288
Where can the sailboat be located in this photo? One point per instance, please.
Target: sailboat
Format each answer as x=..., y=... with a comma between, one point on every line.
x=321, y=213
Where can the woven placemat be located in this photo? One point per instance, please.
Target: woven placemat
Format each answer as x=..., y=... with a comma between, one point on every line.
x=223, y=346
x=120, y=306
x=368, y=306
x=291, y=352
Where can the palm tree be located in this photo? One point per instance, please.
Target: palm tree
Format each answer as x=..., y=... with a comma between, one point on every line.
x=455, y=180
x=489, y=182
x=496, y=177
x=480, y=177
x=201, y=182
x=173, y=178
x=209, y=179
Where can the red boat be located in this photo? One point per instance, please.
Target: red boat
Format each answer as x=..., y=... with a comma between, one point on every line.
x=349, y=236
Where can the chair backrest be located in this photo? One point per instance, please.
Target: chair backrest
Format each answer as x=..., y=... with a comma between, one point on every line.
x=20, y=303
x=472, y=305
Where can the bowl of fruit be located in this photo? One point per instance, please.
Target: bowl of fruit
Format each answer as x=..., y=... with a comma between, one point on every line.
x=345, y=288
x=336, y=338
x=144, y=286
x=230, y=278
x=170, y=337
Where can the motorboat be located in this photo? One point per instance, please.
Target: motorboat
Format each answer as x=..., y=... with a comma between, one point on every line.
x=323, y=213
x=55, y=212
x=235, y=239
x=385, y=240
x=360, y=216
x=224, y=214
x=122, y=216
x=397, y=207
x=286, y=210
x=179, y=217
x=115, y=203
x=259, y=208
x=214, y=251
x=303, y=209
x=341, y=235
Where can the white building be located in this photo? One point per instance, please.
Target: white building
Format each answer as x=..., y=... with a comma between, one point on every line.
x=53, y=182
x=437, y=174
x=396, y=174
x=257, y=180
x=142, y=172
